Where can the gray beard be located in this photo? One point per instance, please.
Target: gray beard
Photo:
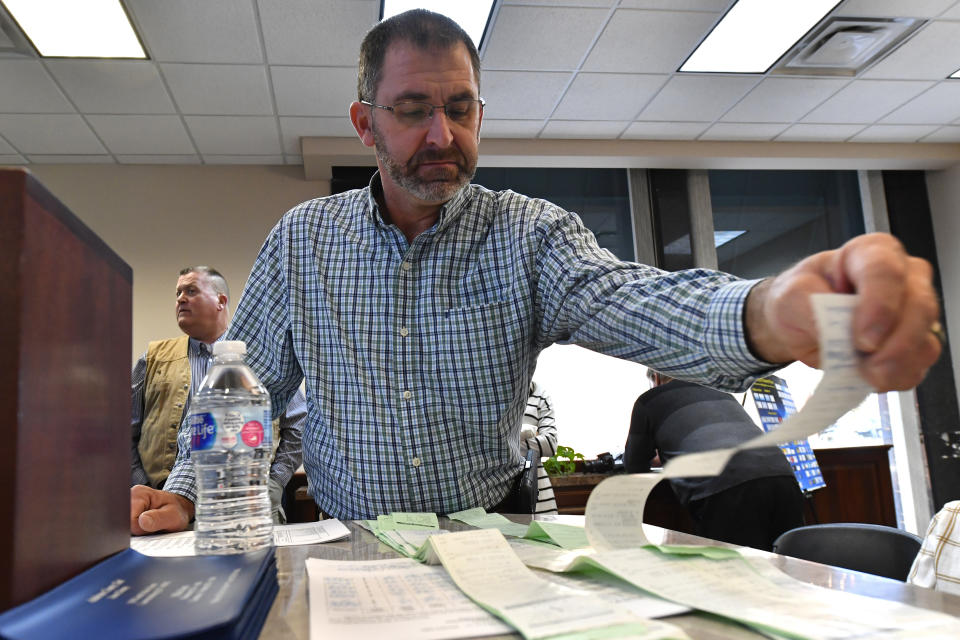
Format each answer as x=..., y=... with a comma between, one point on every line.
x=428, y=190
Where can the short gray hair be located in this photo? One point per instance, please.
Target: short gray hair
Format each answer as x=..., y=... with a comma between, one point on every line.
x=216, y=278
x=423, y=29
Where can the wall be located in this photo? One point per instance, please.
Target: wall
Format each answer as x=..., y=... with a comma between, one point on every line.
x=162, y=218
x=944, y=192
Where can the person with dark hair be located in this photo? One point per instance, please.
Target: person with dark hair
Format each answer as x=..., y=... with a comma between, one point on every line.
x=415, y=308
x=754, y=499
x=168, y=374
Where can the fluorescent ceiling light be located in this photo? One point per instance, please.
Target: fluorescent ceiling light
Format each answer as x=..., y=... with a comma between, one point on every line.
x=77, y=29
x=755, y=33
x=472, y=16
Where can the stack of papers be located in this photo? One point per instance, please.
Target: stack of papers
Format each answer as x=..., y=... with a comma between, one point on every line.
x=491, y=571
x=405, y=532
x=138, y=597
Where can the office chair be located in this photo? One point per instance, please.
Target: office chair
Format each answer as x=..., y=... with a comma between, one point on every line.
x=870, y=548
x=523, y=496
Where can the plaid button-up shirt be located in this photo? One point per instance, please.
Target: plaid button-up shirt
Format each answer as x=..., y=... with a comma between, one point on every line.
x=418, y=356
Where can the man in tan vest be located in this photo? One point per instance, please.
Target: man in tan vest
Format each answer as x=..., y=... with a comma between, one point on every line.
x=167, y=375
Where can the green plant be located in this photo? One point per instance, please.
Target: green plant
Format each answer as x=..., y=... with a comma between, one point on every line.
x=557, y=467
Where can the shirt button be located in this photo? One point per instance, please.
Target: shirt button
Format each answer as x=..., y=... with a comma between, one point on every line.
x=404, y=332
x=406, y=266
x=407, y=395
x=416, y=462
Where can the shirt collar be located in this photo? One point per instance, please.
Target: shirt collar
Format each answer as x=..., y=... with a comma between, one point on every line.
x=450, y=211
x=198, y=348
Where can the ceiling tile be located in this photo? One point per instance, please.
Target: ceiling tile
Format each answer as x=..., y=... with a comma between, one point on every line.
x=742, y=131
x=591, y=129
x=49, y=134
x=893, y=8
x=944, y=134
x=317, y=32
x=491, y=128
x=953, y=13
x=293, y=129
x=317, y=91
x=191, y=31
x=697, y=97
x=542, y=38
x=607, y=96
x=893, y=133
x=864, y=101
x=35, y=90
x=233, y=135
x=247, y=159
x=783, y=99
x=148, y=135
x=819, y=132
x=219, y=89
x=5, y=148
x=70, y=159
x=664, y=130
x=922, y=56
x=522, y=94
x=12, y=159
x=149, y=159
x=648, y=41
x=939, y=105
x=112, y=86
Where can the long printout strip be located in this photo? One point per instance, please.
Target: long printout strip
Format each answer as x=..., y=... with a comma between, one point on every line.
x=485, y=568
x=614, y=512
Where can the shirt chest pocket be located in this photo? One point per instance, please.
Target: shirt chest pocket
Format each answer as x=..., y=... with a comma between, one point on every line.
x=481, y=359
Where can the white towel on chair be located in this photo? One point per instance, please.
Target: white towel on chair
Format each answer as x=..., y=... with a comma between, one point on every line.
x=937, y=566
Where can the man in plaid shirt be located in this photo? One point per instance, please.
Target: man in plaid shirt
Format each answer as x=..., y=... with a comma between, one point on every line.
x=415, y=308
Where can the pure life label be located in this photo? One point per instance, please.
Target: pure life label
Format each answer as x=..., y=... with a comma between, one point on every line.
x=224, y=429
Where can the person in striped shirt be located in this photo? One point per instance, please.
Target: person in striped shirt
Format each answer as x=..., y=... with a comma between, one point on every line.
x=539, y=433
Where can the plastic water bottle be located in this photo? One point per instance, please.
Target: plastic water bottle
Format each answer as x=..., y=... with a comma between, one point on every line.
x=231, y=445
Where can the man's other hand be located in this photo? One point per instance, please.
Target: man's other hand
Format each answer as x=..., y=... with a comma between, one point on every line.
x=893, y=324
x=153, y=511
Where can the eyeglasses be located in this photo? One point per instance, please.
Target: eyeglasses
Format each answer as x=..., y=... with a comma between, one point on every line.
x=415, y=114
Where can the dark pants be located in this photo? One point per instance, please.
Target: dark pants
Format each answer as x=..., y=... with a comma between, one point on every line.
x=752, y=514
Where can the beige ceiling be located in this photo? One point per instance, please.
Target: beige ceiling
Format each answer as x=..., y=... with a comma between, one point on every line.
x=244, y=81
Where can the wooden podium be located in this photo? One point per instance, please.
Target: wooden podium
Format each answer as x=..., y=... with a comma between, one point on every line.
x=65, y=335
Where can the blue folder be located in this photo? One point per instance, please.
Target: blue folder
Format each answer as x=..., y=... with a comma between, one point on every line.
x=138, y=597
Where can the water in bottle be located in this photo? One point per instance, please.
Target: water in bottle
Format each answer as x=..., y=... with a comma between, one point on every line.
x=231, y=447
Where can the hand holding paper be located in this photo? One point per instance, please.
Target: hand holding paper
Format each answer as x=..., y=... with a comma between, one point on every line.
x=892, y=323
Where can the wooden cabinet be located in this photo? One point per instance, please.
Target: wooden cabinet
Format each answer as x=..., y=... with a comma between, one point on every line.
x=859, y=488
x=65, y=334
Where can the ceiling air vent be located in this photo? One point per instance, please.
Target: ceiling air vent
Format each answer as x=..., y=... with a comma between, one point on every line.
x=844, y=46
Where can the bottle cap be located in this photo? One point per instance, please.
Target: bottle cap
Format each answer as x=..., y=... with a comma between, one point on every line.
x=229, y=346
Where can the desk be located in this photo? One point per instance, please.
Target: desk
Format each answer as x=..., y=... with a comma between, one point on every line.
x=289, y=616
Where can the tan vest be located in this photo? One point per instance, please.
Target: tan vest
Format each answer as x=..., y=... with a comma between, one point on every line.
x=166, y=389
